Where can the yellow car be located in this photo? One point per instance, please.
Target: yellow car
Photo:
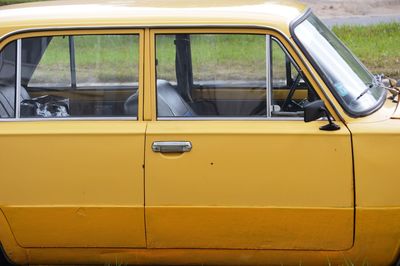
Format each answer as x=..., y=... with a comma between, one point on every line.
x=192, y=133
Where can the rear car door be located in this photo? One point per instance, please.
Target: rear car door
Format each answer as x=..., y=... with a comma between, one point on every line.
x=230, y=163
x=72, y=148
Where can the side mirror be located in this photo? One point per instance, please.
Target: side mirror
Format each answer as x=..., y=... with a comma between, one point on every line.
x=314, y=111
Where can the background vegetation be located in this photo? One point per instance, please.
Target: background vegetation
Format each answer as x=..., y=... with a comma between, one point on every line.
x=9, y=2
x=377, y=46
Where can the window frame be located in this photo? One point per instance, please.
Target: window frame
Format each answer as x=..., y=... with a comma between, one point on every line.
x=270, y=34
x=71, y=31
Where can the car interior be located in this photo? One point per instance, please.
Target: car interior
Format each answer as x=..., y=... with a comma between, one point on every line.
x=182, y=96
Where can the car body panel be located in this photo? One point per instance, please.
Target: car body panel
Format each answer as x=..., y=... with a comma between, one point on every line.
x=377, y=230
x=55, y=199
x=202, y=208
x=351, y=215
x=87, y=226
x=142, y=12
x=375, y=154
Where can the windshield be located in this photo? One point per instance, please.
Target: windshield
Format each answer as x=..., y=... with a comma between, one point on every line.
x=355, y=87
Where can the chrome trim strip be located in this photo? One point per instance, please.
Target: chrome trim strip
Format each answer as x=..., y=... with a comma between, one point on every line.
x=268, y=75
x=18, y=80
x=230, y=119
x=43, y=119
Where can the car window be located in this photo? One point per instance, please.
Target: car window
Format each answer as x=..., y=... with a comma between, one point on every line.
x=53, y=68
x=80, y=76
x=221, y=75
x=290, y=90
x=227, y=75
x=7, y=80
x=111, y=60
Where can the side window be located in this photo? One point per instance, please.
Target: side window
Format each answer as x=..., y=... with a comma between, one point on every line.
x=53, y=68
x=80, y=76
x=8, y=58
x=215, y=75
x=111, y=60
x=290, y=90
x=228, y=75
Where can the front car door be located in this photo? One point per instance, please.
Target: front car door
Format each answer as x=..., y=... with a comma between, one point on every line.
x=72, y=149
x=230, y=164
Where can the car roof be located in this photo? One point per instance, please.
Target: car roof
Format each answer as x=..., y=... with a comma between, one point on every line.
x=271, y=13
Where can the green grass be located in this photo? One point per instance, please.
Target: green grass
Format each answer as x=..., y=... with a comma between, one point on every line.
x=10, y=2
x=214, y=57
x=377, y=46
x=219, y=57
x=99, y=58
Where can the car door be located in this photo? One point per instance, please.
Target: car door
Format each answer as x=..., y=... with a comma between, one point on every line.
x=72, y=149
x=230, y=163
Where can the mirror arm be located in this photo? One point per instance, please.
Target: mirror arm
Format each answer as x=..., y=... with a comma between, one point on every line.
x=331, y=126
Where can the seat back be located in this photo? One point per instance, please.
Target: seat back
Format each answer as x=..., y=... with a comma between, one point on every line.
x=169, y=102
x=7, y=100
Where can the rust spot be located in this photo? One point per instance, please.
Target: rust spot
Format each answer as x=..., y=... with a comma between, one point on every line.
x=81, y=212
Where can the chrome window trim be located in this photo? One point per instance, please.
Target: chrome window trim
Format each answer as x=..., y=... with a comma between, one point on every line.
x=43, y=119
x=230, y=119
x=18, y=80
x=287, y=54
x=268, y=75
x=18, y=86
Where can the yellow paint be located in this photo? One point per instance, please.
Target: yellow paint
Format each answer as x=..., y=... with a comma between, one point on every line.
x=262, y=228
x=147, y=13
x=377, y=242
x=58, y=226
x=375, y=150
x=59, y=177
x=249, y=193
x=246, y=164
x=10, y=247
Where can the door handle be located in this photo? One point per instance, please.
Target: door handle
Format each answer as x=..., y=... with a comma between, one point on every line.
x=172, y=146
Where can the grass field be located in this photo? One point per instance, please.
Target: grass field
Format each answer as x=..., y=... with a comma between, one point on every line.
x=99, y=58
x=9, y=2
x=377, y=46
x=219, y=57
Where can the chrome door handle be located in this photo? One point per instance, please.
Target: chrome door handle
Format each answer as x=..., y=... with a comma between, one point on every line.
x=172, y=146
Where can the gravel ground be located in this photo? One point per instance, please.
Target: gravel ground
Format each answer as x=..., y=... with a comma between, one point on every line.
x=354, y=8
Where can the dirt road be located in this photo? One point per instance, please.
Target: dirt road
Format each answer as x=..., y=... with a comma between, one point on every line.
x=354, y=8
